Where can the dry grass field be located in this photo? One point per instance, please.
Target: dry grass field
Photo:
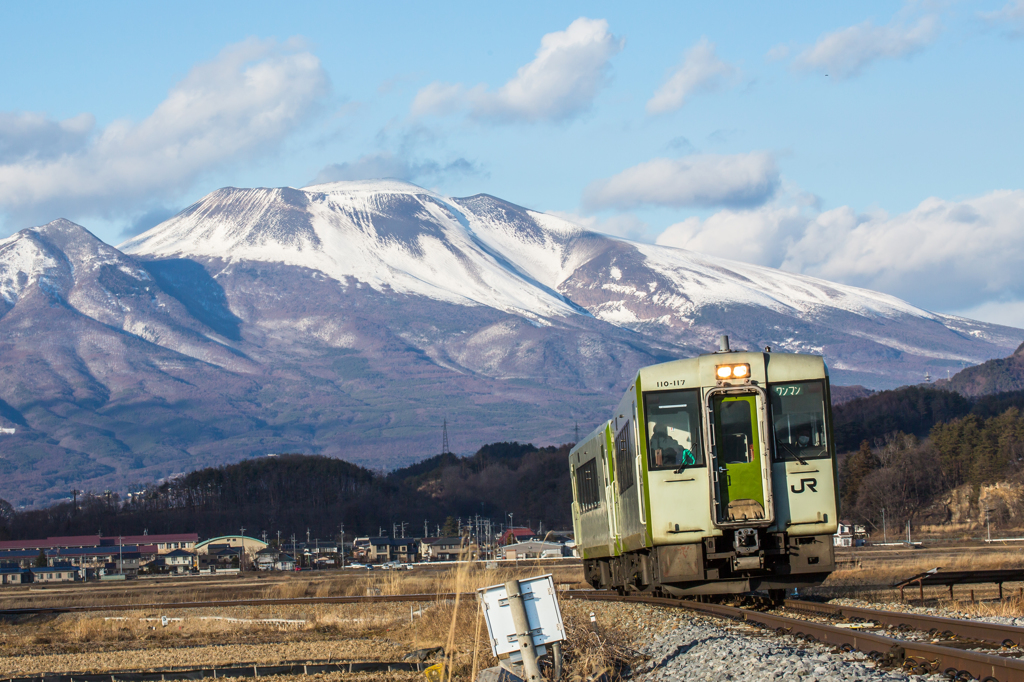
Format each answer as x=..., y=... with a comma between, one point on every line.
x=138, y=639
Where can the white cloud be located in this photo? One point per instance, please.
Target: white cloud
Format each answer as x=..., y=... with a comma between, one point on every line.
x=28, y=136
x=701, y=71
x=240, y=104
x=753, y=236
x=1009, y=17
x=388, y=165
x=569, y=69
x=943, y=255
x=697, y=180
x=845, y=53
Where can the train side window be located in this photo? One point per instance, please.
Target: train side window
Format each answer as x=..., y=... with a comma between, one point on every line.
x=625, y=455
x=673, y=429
x=798, y=420
x=586, y=486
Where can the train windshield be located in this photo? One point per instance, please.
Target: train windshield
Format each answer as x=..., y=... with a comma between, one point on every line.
x=798, y=415
x=673, y=429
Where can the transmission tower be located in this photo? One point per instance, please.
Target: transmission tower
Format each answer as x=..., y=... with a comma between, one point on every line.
x=577, y=432
x=444, y=446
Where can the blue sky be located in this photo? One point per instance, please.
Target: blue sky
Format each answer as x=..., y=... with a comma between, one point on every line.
x=877, y=144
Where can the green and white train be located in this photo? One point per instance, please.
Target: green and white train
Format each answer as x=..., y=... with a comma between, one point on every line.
x=716, y=475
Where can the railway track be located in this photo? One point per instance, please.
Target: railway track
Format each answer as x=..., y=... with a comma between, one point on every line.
x=950, y=653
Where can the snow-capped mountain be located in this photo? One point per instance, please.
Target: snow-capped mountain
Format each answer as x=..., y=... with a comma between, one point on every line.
x=350, y=319
x=482, y=251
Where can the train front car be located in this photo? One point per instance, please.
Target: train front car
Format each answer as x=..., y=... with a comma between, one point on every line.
x=721, y=479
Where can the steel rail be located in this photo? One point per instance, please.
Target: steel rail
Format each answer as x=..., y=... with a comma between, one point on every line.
x=1007, y=635
x=920, y=656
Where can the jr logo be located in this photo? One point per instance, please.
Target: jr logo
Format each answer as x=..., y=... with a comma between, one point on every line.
x=806, y=483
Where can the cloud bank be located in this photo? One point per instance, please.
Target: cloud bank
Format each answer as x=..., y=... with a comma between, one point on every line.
x=847, y=52
x=943, y=255
x=388, y=165
x=702, y=180
x=1010, y=18
x=701, y=71
x=561, y=82
x=239, y=105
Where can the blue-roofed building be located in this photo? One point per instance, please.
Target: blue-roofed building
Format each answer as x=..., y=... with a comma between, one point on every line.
x=13, y=574
x=55, y=574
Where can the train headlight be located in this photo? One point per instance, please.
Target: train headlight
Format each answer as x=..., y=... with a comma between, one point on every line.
x=732, y=372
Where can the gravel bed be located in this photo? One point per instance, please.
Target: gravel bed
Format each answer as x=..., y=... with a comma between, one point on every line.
x=695, y=647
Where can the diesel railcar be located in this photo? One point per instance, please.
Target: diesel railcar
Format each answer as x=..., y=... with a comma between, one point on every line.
x=716, y=475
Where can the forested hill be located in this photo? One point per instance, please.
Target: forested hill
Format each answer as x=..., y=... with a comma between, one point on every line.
x=290, y=493
x=911, y=410
x=993, y=376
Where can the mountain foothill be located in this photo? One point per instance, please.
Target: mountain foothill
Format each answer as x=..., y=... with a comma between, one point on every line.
x=354, y=319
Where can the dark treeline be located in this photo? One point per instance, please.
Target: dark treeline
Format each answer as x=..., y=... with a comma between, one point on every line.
x=912, y=410
x=293, y=493
x=905, y=475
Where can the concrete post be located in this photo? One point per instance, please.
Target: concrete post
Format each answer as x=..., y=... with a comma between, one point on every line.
x=556, y=655
x=522, y=623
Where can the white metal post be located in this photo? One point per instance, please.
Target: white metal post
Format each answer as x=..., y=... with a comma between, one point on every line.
x=523, y=634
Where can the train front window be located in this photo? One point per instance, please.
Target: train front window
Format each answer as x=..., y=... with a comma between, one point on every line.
x=673, y=429
x=798, y=417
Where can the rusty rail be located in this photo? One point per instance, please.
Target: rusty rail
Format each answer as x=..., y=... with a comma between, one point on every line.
x=1006, y=635
x=919, y=657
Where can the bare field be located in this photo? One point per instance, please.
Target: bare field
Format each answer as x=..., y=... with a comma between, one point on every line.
x=98, y=641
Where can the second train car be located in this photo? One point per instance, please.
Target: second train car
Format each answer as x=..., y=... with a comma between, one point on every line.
x=716, y=475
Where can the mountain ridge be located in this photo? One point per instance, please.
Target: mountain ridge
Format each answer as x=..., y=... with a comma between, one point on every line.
x=351, y=319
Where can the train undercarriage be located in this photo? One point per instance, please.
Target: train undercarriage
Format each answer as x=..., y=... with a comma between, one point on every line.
x=738, y=562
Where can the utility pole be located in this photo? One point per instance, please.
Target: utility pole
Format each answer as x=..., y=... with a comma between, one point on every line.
x=278, y=541
x=342, y=548
x=120, y=554
x=885, y=539
x=426, y=532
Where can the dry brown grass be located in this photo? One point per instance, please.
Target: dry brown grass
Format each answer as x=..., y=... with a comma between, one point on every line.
x=453, y=624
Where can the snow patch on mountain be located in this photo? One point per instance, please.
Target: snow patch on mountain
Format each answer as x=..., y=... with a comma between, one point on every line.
x=389, y=235
x=707, y=280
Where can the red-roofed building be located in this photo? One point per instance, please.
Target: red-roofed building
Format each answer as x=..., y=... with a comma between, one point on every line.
x=165, y=544
x=60, y=542
x=516, y=535
x=155, y=544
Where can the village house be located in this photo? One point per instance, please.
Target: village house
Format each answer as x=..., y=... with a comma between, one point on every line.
x=512, y=535
x=13, y=574
x=55, y=574
x=850, y=535
x=381, y=550
x=535, y=549
x=272, y=559
x=447, y=549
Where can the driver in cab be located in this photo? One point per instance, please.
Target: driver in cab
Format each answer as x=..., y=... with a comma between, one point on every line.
x=668, y=451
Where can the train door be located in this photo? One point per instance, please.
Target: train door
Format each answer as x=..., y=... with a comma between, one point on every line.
x=739, y=460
